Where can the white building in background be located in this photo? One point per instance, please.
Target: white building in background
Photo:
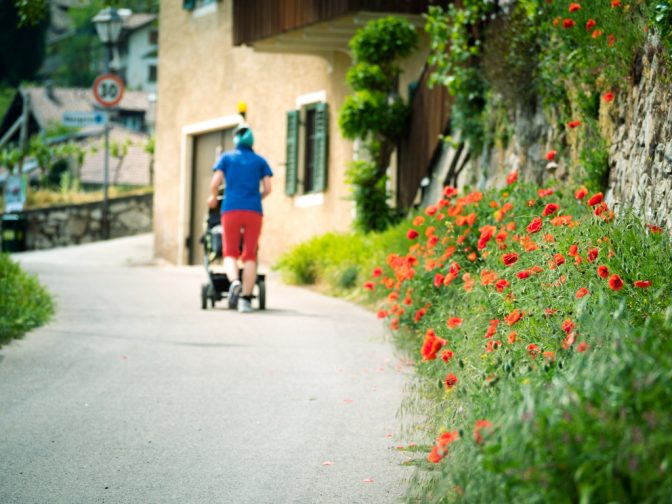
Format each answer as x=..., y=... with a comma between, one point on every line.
x=138, y=51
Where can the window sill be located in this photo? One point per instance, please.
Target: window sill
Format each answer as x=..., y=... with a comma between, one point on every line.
x=204, y=10
x=309, y=200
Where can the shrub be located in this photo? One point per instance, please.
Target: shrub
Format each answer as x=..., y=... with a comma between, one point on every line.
x=24, y=303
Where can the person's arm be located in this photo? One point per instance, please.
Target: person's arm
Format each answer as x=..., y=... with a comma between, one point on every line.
x=217, y=179
x=265, y=186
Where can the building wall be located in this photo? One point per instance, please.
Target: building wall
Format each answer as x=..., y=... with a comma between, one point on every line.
x=203, y=78
x=137, y=66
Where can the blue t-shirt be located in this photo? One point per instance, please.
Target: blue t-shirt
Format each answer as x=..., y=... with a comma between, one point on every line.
x=243, y=170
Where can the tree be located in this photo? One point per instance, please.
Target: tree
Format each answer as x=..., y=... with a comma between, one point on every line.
x=375, y=113
x=23, y=45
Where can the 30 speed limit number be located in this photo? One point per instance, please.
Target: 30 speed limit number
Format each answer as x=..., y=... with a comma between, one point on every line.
x=108, y=89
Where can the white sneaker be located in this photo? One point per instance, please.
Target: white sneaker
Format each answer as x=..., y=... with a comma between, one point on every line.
x=234, y=294
x=244, y=305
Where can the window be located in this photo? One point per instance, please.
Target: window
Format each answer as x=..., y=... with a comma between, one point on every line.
x=154, y=36
x=151, y=73
x=307, y=149
x=195, y=4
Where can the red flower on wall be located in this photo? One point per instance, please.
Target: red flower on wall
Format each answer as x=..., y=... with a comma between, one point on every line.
x=608, y=96
x=550, y=155
x=596, y=199
x=573, y=124
x=512, y=177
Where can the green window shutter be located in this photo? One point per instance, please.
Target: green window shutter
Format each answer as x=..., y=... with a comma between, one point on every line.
x=188, y=4
x=292, y=152
x=321, y=147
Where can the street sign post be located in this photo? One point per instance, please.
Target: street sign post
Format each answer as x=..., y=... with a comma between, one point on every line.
x=108, y=89
x=81, y=119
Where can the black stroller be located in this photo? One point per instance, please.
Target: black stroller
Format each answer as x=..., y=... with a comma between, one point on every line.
x=218, y=284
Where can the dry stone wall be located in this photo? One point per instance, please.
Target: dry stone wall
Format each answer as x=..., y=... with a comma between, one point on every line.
x=76, y=224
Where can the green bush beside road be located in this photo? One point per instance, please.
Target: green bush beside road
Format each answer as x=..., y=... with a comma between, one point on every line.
x=24, y=303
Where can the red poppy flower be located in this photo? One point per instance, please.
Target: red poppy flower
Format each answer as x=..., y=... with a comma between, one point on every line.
x=590, y=24
x=573, y=124
x=568, y=325
x=643, y=284
x=512, y=177
x=556, y=21
x=480, y=425
x=369, y=286
x=550, y=209
x=582, y=347
x=533, y=349
x=573, y=7
x=449, y=192
x=418, y=220
x=501, y=285
x=615, y=3
x=559, y=259
x=568, y=23
x=544, y=192
x=377, y=272
x=603, y=271
x=582, y=292
x=512, y=337
x=597, y=34
x=412, y=234
x=534, y=226
x=615, y=282
x=454, y=322
x=438, y=280
x=654, y=229
x=431, y=210
x=435, y=457
x=382, y=314
x=580, y=193
x=608, y=96
x=446, y=355
x=610, y=40
x=431, y=345
x=573, y=250
x=550, y=155
x=509, y=259
x=450, y=381
x=592, y=254
x=513, y=317
x=596, y=199
x=523, y=274
x=445, y=439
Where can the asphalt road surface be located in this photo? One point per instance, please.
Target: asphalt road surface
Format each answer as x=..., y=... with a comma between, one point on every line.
x=133, y=394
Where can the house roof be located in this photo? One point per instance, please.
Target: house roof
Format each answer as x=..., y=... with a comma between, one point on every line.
x=48, y=104
x=138, y=20
x=134, y=170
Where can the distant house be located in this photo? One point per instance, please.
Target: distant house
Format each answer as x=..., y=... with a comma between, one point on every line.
x=138, y=50
x=134, y=116
x=287, y=59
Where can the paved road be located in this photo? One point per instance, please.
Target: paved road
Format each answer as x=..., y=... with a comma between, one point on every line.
x=134, y=395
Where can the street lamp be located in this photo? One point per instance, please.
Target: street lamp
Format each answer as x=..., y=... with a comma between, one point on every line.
x=108, y=24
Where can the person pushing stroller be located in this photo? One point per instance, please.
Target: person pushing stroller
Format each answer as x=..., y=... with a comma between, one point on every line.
x=243, y=172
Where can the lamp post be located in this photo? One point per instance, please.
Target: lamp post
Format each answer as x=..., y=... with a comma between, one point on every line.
x=108, y=25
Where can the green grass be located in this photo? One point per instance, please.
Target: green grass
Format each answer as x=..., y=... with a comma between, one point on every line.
x=24, y=303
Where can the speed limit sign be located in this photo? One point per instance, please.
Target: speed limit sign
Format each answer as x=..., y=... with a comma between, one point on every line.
x=108, y=89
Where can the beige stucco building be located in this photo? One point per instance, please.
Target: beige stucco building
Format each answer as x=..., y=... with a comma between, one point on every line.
x=292, y=77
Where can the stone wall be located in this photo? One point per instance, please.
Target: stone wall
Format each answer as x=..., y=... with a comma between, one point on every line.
x=640, y=156
x=66, y=225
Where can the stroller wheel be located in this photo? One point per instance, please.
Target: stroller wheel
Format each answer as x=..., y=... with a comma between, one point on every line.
x=261, y=285
x=204, y=297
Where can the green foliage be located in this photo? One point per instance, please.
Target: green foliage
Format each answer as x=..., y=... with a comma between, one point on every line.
x=24, y=303
x=376, y=113
x=23, y=47
x=595, y=163
x=384, y=41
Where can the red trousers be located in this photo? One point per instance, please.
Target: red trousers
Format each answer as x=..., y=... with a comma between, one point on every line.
x=241, y=222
